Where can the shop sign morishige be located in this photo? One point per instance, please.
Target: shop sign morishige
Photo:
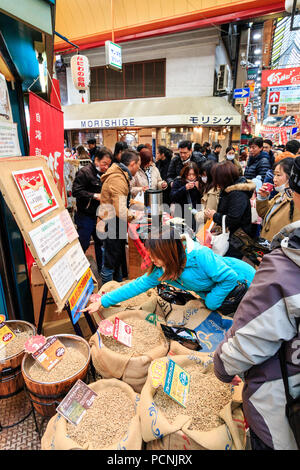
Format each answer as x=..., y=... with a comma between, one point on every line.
x=154, y=121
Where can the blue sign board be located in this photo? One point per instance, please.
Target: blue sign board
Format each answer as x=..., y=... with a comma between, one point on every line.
x=241, y=93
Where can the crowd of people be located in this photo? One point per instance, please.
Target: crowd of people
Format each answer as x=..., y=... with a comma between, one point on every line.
x=256, y=194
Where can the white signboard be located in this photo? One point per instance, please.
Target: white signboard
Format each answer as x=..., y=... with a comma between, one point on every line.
x=62, y=276
x=9, y=140
x=284, y=94
x=77, y=261
x=5, y=108
x=113, y=55
x=68, y=226
x=48, y=239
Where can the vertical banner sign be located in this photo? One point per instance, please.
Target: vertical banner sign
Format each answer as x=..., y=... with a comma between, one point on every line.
x=47, y=136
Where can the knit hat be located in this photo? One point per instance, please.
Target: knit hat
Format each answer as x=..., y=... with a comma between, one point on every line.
x=295, y=176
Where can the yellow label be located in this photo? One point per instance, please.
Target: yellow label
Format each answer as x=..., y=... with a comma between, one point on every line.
x=6, y=334
x=158, y=373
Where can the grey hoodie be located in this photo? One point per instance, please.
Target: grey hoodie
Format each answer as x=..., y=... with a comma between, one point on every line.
x=266, y=317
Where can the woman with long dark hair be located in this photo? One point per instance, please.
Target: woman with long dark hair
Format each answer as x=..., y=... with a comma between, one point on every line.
x=163, y=158
x=209, y=194
x=234, y=202
x=280, y=210
x=196, y=269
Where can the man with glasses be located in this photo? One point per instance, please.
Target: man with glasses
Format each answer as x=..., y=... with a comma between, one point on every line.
x=185, y=156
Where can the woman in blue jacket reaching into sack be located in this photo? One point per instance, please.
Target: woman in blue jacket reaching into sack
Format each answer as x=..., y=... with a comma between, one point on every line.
x=195, y=268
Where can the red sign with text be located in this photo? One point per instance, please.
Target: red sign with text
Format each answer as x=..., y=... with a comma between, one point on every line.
x=278, y=77
x=47, y=136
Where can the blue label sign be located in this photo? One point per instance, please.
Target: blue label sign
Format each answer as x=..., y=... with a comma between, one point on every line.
x=241, y=93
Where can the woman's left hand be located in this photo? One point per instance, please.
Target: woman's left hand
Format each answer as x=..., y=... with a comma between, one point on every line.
x=164, y=185
x=209, y=213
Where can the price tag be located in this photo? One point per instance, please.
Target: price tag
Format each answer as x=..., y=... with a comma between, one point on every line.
x=34, y=343
x=158, y=372
x=6, y=335
x=177, y=383
x=106, y=328
x=50, y=353
x=122, y=332
x=76, y=403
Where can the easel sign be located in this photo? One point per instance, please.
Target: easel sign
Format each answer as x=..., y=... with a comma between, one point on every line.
x=30, y=192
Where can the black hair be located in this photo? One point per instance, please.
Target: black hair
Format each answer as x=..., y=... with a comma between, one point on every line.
x=229, y=148
x=185, y=144
x=128, y=155
x=286, y=164
x=165, y=151
x=268, y=141
x=217, y=146
x=207, y=167
x=292, y=146
x=119, y=147
x=197, y=147
x=140, y=147
x=256, y=141
x=103, y=152
x=92, y=141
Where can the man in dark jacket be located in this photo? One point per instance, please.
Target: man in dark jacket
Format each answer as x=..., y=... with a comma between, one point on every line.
x=258, y=163
x=215, y=155
x=185, y=156
x=92, y=147
x=267, y=147
x=86, y=189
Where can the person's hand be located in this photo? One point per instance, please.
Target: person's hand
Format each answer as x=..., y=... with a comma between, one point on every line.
x=93, y=307
x=264, y=191
x=189, y=186
x=97, y=196
x=144, y=188
x=209, y=213
x=197, y=184
x=236, y=380
x=164, y=185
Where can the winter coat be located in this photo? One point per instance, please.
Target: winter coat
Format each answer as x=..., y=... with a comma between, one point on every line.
x=140, y=179
x=163, y=166
x=115, y=192
x=176, y=166
x=213, y=156
x=280, y=217
x=257, y=166
x=235, y=204
x=87, y=182
x=180, y=195
x=209, y=200
x=266, y=317
x=207, y=274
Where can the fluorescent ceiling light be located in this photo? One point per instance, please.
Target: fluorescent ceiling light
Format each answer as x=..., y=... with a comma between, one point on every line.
x=256, y=36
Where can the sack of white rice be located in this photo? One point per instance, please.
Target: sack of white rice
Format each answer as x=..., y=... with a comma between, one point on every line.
x=130, y=364
x=145, y=301
x=212, y=419
x=210, y=326
x=111, y=423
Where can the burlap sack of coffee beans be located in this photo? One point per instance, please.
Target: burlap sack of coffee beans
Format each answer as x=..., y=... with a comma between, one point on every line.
x=212, y=420
x=113, y=359
x=111, y=423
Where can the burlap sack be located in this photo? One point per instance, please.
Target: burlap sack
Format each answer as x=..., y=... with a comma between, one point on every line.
x=145, y=301
x=131, y=369
x=56, y=437
x=209, y=326
x=159, y=433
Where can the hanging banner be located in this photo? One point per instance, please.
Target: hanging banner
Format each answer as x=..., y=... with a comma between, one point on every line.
x=290, y=76
x=47, y=137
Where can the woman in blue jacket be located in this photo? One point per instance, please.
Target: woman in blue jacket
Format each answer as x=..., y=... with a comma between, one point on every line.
x=195, y=269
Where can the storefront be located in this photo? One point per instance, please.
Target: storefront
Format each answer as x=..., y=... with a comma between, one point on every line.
x=159, y=121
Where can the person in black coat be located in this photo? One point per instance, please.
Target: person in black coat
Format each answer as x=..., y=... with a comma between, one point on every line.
x=234, y=202
x=92, y=148
x=185, y=156
x=86, y=189
x=267, y=147
x=215, y=155
x=186, y=195
x=162, y=162
x=119, y=148
x=258, y=163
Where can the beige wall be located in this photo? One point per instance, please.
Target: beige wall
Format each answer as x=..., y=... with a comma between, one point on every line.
x=110, y=137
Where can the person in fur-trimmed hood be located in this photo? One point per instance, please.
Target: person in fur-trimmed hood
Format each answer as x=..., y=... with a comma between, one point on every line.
x=234, y=202
x=268, y=315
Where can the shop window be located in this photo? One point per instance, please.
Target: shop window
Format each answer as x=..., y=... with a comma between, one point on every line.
x=83, y=135
x=137, y=80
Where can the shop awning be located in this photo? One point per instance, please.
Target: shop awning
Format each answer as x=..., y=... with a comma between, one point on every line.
x=208, y=111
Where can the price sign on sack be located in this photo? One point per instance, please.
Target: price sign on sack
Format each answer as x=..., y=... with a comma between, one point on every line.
x=177, y=383
x=76, y=403
x=122, y=332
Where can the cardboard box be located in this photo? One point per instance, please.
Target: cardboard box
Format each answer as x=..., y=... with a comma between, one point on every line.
x=37, y=287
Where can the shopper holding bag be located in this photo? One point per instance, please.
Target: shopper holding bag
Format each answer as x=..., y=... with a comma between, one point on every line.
x=234, y=202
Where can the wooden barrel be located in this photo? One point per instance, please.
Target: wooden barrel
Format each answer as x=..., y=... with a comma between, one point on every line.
x=46, y=396
x=11, y=380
